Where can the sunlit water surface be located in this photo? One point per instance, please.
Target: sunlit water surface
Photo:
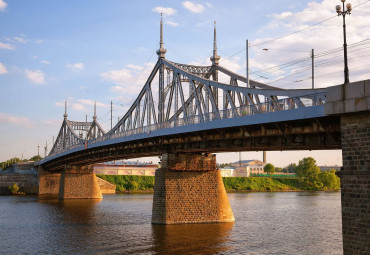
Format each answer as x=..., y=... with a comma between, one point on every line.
x=266, y=223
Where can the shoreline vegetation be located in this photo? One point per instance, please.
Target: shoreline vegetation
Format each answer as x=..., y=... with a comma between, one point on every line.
x=145, y=184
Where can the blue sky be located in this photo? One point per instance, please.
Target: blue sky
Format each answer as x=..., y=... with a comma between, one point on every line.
x=86, y=51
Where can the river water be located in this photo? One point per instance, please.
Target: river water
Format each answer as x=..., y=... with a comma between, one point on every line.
x=266, y=223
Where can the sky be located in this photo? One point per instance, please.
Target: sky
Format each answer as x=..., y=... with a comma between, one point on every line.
x=101, y=51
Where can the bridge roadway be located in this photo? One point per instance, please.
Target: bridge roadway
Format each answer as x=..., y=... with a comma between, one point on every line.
x=304, y=128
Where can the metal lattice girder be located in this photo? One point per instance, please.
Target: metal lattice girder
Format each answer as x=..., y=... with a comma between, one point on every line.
x=187, y=95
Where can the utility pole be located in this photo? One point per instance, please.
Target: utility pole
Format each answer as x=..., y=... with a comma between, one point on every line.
x=313, y=68
x=46, y=149
x=38, y=150
x=247, y=62
x=111, y=114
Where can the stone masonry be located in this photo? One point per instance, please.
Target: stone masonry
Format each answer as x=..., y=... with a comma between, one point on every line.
x=48, y=182
x=189, y=196
x=78, y=182
x=352, y=103
x=355, y=183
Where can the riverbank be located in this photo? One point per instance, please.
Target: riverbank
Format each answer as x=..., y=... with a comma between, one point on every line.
x=145, y=184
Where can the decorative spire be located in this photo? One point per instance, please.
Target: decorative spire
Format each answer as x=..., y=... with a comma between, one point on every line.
x=215, y=58
x=65, y=110
x=162, y=51
x=94, y=117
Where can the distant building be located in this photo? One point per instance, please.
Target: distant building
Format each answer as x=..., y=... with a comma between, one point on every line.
x=245, y=168
x=328, y=168
x=227, y=171
x=120, y=167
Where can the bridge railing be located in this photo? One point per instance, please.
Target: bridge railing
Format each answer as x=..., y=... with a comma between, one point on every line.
x=264, y=107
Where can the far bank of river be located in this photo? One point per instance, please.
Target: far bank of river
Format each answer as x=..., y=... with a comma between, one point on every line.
x=145, y=184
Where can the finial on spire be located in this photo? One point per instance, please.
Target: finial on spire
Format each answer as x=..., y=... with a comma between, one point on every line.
x=215, y=58
x=162, y=51
x=65, y=110
x=94, y=111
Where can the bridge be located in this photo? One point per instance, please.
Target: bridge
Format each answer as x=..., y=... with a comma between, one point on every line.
x=184, y=113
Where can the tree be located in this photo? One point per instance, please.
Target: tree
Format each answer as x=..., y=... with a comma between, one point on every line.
x=307, y=168
x=290, y=168
x=36, y=158
x=329, y=179
x=278, y=169
x=269, y=168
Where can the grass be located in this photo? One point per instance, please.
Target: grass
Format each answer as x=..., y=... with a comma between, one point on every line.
x=134, y=183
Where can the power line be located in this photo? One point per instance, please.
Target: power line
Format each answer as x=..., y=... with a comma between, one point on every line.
x=292, y=33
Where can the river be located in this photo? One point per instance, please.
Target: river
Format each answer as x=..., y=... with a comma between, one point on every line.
x=266, y=223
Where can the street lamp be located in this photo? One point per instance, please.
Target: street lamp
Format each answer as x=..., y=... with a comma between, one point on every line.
x=343, y=13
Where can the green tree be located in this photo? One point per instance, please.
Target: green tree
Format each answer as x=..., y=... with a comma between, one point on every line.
x=36, y=158
x=329, y=179
x=307, y=168
x=290, y=168
x=278, y=169
x=269, y=168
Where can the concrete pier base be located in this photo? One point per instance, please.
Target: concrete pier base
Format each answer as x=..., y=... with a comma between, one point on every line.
x=79, y=182
x=189, y=189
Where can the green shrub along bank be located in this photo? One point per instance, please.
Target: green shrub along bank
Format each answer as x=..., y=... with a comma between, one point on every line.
x=131, y=183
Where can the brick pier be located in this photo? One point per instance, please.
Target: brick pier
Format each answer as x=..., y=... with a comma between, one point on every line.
x=79, y=182
x=189, y=189
x=352, y=103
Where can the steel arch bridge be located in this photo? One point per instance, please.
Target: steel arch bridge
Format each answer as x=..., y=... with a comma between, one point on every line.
x=185, y=108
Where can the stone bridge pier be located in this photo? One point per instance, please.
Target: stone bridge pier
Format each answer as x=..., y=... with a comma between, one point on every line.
x=75, y=182
x=189, y=189
x=352, y=103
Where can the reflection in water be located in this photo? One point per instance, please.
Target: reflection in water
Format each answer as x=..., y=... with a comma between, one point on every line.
x=266, y=223
x=191, y=238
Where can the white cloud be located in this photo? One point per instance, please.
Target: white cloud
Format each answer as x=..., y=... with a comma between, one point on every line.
x=283, y=15
x=117, y=76
x=165, y=10
x=128, y=81
x=91, y=102
x=45, y=62
x=78, y=107
x=35, y=76
x=172, y=23
x=134, y=67
x=17, y=120
x=76, y=66
x=3, y=69
x=321, y=37
x=193, y=7
x=3, y=5
x=6, y=46
x=19, y=39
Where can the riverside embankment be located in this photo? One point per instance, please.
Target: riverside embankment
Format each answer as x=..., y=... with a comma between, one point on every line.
x=141, y=184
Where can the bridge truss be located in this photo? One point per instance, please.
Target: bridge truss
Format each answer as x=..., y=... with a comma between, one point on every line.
x=178, y=96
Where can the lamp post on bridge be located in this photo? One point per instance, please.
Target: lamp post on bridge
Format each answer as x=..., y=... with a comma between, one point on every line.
x=344, y=13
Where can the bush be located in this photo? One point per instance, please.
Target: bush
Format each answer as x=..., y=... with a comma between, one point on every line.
x=14, y=189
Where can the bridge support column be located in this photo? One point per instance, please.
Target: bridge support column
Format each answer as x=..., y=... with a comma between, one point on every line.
x=48, y=182
x=355, y=183
x=189, y=189
x=352, y=103
x=78, y=182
